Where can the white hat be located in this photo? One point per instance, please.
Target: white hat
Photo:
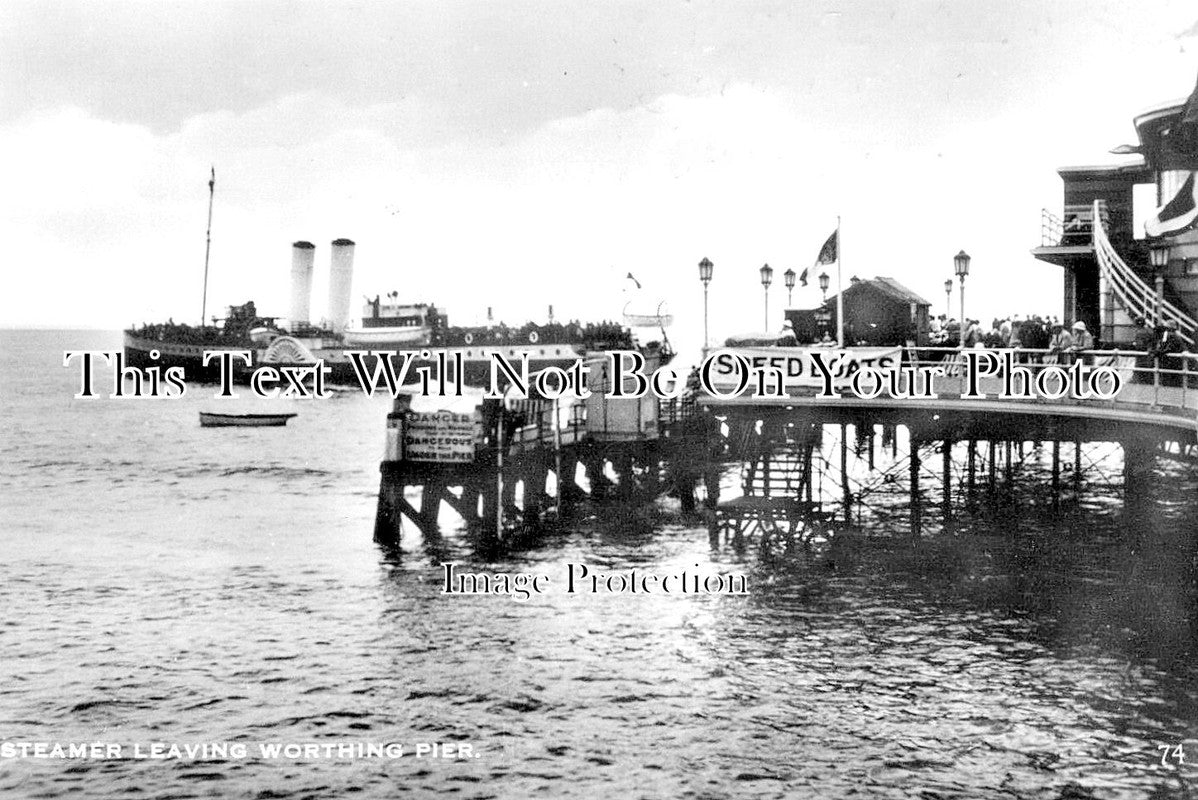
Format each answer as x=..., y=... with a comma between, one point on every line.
x=1079, y=326
x=787, y=324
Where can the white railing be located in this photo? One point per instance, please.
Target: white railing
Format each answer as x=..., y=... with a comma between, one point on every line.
x=1153, y=386
x=1165, y=382
x=1136, y=295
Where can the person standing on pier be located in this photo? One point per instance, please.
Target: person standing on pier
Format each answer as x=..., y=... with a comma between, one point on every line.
x=1164, y=350
x=936, y=330
x=788, y=338
x=973, y=332
x=1143, y=343
x=1060, y=344
x=953, y=330
x=1082, y=341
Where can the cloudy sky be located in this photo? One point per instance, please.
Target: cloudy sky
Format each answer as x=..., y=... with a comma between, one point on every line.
x=517, y=154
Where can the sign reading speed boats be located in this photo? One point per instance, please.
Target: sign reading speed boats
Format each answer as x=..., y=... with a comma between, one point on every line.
x=730, y=372
x=441, y=435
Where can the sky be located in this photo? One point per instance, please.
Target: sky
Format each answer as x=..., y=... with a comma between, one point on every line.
x=522, y=154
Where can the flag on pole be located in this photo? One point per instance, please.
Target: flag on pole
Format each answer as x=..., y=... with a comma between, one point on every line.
x=1177, y=215
x=829, y=253
x=803, y=278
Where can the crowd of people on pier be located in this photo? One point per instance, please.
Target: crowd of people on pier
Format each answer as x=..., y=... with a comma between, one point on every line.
x=1040, y=339
x=1048, y=333
x=1155, y=344
x=1033, y=332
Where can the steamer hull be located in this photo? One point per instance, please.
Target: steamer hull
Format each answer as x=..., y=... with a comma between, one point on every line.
x=140, y=350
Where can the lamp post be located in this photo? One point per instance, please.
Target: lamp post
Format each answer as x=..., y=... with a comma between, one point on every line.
x=789, y=278
x=823, y=284
x=1158, y=254
x=767, y=277
x=948, y=297
x=961, y=267
x=705, y=267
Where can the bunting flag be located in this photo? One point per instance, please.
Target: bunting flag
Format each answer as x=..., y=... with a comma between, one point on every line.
x=829, y=253
x=634, y=280
x=1181, y=137
x=1177, y=215
x=803, y=278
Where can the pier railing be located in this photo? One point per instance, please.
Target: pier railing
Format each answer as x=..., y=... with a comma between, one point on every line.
x=1168, y=380
x=1074, y=226
x=1155, y=389
x=544, y=422
x=1162, y=384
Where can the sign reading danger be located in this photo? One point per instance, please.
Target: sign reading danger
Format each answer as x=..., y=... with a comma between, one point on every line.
x=441, y=436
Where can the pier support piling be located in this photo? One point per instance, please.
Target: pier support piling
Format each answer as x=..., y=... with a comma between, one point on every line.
x=947, y=486
x=916, y=510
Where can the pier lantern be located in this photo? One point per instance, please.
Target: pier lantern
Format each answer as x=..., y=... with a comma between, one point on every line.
x=788, y=278
x=705, y=268
x=767, y=277
x=823, y=284
x=1158, y=256
x=961, y=267
x=1158, y=253
x=961, y=264
x=948, y=296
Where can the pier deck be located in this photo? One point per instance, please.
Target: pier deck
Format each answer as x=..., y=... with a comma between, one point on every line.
x=791, y=488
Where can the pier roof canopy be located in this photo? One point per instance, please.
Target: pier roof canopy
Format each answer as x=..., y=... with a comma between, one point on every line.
x=1151, y=127
x=896, y=290
x=1128, y=172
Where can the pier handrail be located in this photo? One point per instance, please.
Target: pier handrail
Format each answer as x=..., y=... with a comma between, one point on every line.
x=1133, y=291
x=1170, y=386
x=1154, y=387
x=542, y=425
x=1052, y=229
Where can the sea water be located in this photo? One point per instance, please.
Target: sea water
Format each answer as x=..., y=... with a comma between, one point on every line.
x=210, y=603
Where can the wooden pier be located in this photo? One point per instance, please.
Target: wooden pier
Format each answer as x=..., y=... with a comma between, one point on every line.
x=806, y=467
x=509, y=464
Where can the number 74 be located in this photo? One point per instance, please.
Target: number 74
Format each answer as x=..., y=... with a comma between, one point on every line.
x=1174, y=752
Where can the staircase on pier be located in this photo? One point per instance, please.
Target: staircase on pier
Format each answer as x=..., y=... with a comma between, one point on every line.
x=1130, y=295
x=1108, y=280
x=782, y=472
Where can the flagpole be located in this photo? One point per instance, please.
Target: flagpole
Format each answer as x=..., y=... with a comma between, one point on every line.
x=839, y=287
x=208, y=246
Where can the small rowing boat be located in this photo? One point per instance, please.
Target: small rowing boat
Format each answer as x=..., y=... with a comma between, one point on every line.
x=209, y=419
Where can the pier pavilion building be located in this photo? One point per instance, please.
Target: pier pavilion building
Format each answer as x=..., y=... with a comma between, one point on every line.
x=877, y=311
x=1114, y=272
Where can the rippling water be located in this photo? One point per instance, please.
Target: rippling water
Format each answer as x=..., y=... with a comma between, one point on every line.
x=167, y=583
